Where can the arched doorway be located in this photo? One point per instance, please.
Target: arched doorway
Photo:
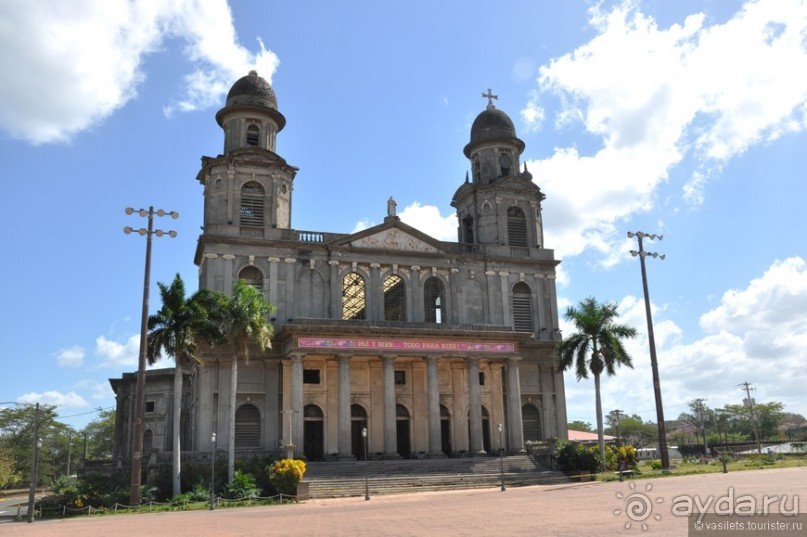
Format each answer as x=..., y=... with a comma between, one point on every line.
x=531, y=422
x=313, y=437
x=445, y=430
x=358, y=421
x=402, y=431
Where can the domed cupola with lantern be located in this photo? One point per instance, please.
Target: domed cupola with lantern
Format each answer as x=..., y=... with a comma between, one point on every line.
x=500, y=206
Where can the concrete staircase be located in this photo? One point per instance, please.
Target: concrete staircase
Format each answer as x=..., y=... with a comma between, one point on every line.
x=341, y=479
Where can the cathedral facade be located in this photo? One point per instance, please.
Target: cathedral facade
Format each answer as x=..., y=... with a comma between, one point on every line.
x=388, y=342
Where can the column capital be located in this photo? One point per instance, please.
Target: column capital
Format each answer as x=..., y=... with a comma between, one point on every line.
x=343, y=356
x=514, y=359
x=296, y=357
x=389, y=357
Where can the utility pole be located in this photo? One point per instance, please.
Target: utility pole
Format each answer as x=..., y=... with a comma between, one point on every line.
x=662, y=427
x=616, y=414
x=140, y=402
x=748, y=388
x=69, y=450
x=37, y=443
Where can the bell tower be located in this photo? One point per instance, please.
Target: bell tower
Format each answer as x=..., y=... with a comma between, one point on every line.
x=248, y=188
x=500, y=206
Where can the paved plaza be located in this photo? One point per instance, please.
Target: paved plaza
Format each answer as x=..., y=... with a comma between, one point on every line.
x=558, y=510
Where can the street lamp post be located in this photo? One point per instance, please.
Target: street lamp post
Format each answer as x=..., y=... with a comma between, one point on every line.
x=213, y=473
x=662, y=428
x=366, y=470
x=501, y=456
x=34, y=467
x=137, y=440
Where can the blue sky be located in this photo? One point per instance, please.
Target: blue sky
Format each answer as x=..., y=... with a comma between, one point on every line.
x=682, y=118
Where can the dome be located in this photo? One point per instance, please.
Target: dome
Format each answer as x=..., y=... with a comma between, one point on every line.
x=492, y=125
x=252, y=90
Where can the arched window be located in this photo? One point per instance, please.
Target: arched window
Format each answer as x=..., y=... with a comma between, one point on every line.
x=394, y=298
x=353, y=297
x=468, y=229
x=247, y=426
x=252, y=201
x=522, y=307
x=253, y=276
x=433, y=296
x=516, y=227
x=253, y=134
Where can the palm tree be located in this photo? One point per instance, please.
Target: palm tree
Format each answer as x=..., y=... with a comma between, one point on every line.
x=245, y=319
x=596, y=347
x=177, y=329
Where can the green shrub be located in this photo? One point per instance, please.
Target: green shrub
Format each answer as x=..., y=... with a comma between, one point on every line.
x=655, y=464
x=286, y=474
x=574, y=457
x=242, y=486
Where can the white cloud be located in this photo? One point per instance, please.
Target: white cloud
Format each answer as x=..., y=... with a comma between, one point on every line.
x=757, y=334
x=71, y=357
x=655, y=96
x=75, y=63
x=98, y=390
x=533, y=113
x=116, y=354
x=69, y=400
x=427, y=218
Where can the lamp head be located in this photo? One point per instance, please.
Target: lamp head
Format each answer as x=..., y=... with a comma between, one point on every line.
x=127, y=230
x=129, y=210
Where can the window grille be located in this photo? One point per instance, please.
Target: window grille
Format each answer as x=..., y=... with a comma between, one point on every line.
x=358, y=412
x=516, y=227
x=247, y=426
x=401, y=412
x=394, y=299
x=522, y=307
x=252, y=205
x=531, y=423
x=253, y=276
x=400, y=378
x=312, y=413
x=253, y=134
x=353, y=297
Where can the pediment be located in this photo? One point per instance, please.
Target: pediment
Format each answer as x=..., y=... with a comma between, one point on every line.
x=394, y=239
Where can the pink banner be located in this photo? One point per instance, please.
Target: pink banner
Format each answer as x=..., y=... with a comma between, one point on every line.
x=405, y=345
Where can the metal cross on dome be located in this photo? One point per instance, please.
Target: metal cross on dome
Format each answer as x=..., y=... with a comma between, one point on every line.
x=489, y=96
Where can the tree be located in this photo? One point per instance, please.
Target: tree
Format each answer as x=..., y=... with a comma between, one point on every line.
x=580, y=425
x=633, y=431
x=17, y=435
x=244, y=319
x=178, y=329
x=595, y=347
x=100, y=435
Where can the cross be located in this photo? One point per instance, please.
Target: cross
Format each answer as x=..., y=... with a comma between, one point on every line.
x=489, y=95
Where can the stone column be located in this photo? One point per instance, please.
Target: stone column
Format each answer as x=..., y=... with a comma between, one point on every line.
x=433, y=394
x=474, y=407
x=390, y=430
x=297, y=403
x=345, y=446
x=515, y=426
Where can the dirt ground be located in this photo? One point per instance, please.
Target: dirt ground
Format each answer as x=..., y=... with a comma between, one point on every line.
x=570, y=509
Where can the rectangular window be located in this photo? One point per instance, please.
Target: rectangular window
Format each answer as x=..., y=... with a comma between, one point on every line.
x=481, y=378
x=400, y=378
x=310, y=376
x=149, y=407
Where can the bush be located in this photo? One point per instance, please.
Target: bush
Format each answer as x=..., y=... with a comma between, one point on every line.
x=242, y=486
x=574, y=457
x=655, y=464
x=627, y=454
x=286, y=474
